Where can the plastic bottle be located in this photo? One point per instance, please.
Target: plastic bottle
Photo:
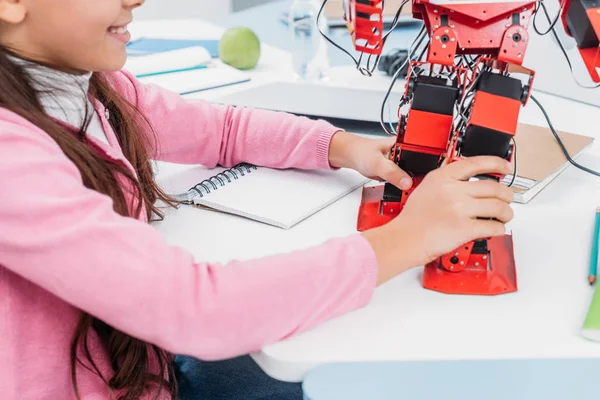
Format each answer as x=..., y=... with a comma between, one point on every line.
x=309, y=52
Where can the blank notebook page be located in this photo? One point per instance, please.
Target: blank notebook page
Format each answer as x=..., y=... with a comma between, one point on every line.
x=281, y=197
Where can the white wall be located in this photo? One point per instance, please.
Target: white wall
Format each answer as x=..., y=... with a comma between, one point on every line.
x=206, y=9
x=238, y=5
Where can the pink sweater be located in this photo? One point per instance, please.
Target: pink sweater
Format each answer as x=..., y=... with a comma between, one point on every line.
x=64, y=249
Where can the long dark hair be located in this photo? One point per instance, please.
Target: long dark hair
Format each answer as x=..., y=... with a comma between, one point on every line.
x=131, y=359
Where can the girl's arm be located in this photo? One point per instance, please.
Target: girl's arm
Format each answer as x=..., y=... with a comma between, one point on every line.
x=198, y=132
x=67, y=239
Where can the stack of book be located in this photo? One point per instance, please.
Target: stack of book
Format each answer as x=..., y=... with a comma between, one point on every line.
x=181, y=66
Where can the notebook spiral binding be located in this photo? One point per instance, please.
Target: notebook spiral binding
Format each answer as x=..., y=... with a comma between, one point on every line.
x=213, y=183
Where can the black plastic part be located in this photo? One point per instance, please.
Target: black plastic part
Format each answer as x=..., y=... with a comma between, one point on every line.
x=487, y=178
x=418, y=163
x=480, y=247
x=580, y=25
x=500, y=85
x=392, y=61
x=444, y=20
x=524, y=94
x=363, y=15
x=516, y=19
x=414, y=164
x=480, y=141
x=434, y=95
x=511, y=149
x=391, y=193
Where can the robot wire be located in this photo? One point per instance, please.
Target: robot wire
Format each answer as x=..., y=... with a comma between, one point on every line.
x=395, y=23
x=562, y=48
x=420, y=37
x=418, y=40
x=560, y=143
x=552, y=24
x=356, y=62
x=512, y=181
x=368, y=71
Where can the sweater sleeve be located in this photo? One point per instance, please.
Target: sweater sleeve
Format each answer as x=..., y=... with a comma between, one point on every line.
x=192, y=131
x=68, y=240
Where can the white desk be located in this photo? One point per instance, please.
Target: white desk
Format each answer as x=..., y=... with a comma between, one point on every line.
x=552, y=236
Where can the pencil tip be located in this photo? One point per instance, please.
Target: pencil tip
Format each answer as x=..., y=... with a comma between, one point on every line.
x=591, y=279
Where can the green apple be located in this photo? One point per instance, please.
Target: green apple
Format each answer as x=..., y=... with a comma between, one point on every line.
x=240, y=48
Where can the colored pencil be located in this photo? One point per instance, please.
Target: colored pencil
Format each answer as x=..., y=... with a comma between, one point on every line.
x=594, y=256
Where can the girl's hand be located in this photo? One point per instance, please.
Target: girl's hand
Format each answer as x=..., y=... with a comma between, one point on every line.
x=370, y=157
x=442, y=214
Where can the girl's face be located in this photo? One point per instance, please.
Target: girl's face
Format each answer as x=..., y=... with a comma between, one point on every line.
x=75, y=35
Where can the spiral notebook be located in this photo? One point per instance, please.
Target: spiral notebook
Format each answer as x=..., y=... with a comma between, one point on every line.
x=278, y=197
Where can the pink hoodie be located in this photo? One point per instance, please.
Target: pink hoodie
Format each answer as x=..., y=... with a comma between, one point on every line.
x=63, y=249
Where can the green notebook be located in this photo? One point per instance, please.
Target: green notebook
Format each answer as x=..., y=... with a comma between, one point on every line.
x=591, y=325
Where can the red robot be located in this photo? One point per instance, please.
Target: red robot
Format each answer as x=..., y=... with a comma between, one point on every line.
x=462, y=98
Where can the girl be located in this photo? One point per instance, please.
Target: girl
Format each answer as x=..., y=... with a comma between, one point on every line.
x=94, y=301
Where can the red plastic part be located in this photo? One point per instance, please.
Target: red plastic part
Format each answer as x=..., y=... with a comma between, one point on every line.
x=462, y=255
x=370, y=214
x=495, y=112
x=591, y=57
x=498, y=276
x=514, y=45
x=478, y=28
x=442, y=49
x=420, y=149
x=366, y=32
x=594, y=15
x=374, y=211
x=437, y=126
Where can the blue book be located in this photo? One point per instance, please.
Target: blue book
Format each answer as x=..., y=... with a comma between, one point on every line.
x=144, y=46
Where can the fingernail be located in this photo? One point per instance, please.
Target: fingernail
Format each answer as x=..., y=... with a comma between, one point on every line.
x=405, y=183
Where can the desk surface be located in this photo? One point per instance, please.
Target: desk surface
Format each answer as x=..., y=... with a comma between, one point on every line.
x=552, y=238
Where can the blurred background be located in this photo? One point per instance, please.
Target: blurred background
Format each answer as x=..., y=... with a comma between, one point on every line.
x=206, y=9
x=543, y=55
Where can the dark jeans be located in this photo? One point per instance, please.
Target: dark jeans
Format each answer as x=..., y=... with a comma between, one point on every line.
x=236, y=379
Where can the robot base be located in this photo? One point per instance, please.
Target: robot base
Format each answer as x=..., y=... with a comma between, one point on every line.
x=498, y=277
